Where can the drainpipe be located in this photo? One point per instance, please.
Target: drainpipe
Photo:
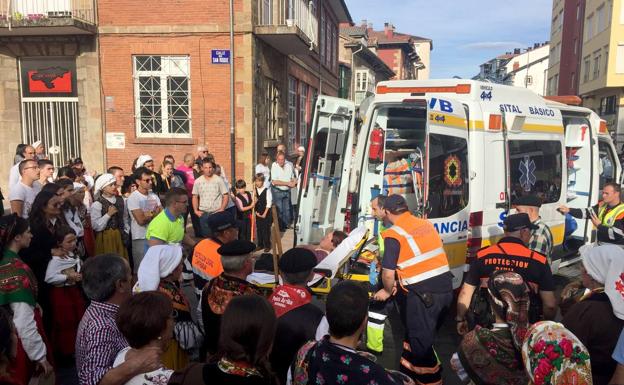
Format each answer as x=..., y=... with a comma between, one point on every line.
x=232, y=117
x=353, y=72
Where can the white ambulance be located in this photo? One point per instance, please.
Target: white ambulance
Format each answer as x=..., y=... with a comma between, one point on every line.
x=460, y=152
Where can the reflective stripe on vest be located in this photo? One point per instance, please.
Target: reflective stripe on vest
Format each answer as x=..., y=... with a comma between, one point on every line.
x=418, y=255
x=206, y=260
x=609, y=218
x=421, y=254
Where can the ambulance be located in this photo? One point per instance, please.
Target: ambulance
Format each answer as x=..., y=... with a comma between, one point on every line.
x=460, y=152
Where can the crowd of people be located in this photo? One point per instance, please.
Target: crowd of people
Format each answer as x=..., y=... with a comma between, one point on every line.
x=102, y=282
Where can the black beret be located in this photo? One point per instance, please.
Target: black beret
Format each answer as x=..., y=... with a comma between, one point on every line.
x=220, y=221
x=236, y=248
x=528, y=200
x=517, y=222
x=297, y=260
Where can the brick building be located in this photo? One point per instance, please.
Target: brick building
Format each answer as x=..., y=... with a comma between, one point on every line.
x=566, y=43
x=361, y=68
x=165, y=89
x=407, y=55
x=49, y=81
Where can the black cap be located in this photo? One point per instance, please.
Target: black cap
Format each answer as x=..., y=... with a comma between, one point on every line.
x=297, y=260
x=395, y=202
x=528, y=200
x=236, y=248
x=517, y=222
x=220, y=221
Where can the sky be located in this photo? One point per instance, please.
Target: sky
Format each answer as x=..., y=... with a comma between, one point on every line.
x=465, y=33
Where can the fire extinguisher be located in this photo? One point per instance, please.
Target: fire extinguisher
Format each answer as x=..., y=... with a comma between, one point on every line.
x=376, y=148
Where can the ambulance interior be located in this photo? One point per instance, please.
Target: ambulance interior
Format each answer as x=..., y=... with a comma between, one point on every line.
x=580, y=174
x=405, y=167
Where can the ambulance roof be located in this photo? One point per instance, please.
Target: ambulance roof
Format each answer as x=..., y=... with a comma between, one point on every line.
x=462, y=89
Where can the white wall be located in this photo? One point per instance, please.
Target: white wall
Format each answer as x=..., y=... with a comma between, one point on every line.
x=538, y=71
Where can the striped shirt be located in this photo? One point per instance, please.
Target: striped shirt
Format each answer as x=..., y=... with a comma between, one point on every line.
x=98, y=342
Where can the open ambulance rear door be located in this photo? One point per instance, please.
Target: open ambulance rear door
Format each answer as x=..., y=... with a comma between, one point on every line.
x=447, y=178
x=323, y=192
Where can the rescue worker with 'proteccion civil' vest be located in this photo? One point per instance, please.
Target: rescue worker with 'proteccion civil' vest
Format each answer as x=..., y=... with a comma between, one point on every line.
x=206, y=261
x=413, y=253
x=607, y=215
x=509, y=254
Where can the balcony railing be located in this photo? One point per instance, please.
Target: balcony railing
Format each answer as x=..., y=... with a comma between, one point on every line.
x=289, y=13
x=45, y=13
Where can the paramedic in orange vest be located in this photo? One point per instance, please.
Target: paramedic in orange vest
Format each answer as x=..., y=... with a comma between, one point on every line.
x=413, y=254
x=607, y=216
x=206, y=261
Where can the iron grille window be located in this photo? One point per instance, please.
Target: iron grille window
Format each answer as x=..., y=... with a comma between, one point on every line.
x=162, y=96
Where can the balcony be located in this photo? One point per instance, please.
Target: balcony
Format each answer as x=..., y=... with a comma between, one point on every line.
x=290, y=26
x=47, y=17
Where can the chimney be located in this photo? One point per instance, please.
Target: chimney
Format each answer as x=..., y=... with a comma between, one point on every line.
x=389, y=30
x=537, y=45
x=364, y=23
x=370, y=26
x=516, y=51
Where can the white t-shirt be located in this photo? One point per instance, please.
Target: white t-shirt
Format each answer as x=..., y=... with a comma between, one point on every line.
x=14, y=176
x=146, y=203
x=266, y=171
x=282, y=174
x=26, y=194
x=157, y=377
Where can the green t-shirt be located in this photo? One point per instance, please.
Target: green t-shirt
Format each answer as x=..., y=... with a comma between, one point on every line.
x=166, y=228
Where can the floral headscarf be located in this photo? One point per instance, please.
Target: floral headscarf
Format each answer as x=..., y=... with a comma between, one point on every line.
x=554, y=356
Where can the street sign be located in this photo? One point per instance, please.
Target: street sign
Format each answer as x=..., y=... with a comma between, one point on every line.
x=220, y=56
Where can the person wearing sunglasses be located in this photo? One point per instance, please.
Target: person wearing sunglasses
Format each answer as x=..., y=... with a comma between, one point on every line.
x=143, y=205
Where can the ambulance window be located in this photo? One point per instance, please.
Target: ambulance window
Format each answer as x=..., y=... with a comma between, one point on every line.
x=606, y=165
x=448, y=175
x=535, y=169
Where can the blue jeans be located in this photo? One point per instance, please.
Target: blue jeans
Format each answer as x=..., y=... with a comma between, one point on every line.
x=204, y=226
x=281, y=200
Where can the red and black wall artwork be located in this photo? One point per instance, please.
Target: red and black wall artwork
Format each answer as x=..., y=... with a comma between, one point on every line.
x=48, y=77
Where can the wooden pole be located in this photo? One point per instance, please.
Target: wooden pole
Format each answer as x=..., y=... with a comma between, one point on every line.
x=276, y=243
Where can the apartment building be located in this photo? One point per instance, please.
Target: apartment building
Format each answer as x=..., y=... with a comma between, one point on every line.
x=566, y=44
x=601, y=79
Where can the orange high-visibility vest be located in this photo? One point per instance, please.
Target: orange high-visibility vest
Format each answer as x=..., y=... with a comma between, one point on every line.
x=421, y=255
x=206, y=260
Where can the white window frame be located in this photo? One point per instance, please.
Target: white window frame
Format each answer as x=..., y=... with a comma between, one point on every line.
x=586, y=68
x=293, y=84
x=171, y=65
x=361, y=80
x=597, y=59
x=304, y=94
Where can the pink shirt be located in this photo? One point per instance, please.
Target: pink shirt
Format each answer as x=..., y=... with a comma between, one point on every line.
x=190, y=177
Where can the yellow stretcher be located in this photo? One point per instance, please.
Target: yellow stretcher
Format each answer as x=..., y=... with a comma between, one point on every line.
x=335, y=266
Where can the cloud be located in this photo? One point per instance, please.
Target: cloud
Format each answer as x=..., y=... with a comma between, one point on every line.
x=487, y=45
